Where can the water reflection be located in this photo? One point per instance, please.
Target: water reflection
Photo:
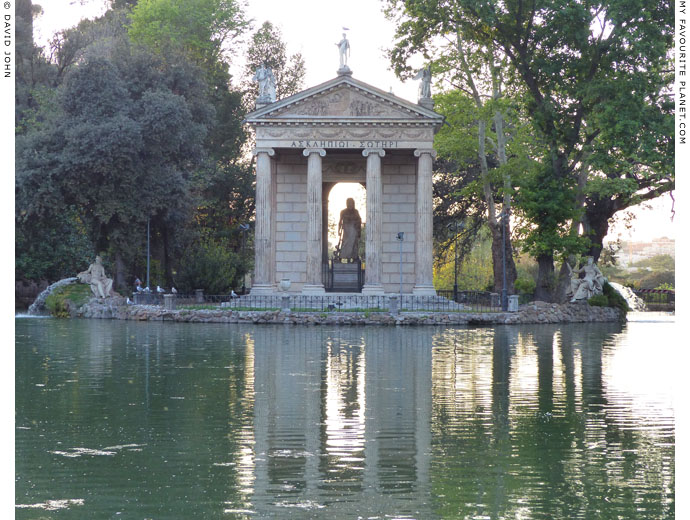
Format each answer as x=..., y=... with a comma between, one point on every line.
x=282, y=421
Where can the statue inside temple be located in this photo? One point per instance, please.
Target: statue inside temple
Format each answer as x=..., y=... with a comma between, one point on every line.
x=349, y=233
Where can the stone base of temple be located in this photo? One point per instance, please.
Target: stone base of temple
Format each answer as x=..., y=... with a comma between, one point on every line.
x=373, y=290
x=424, y=290
x=262, y=289
x=313, y=290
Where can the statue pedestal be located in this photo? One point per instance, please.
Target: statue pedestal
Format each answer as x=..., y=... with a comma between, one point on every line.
x=347, y=277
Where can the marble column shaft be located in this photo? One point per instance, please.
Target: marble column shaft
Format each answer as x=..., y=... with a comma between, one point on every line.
x=424, y=224
x=262, y=233
x=314, y=281
x=374, y=250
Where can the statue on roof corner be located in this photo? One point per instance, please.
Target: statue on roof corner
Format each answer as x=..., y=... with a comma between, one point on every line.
x=267, y=84
x=344, y=50
x=425, y=88
x=425, y=84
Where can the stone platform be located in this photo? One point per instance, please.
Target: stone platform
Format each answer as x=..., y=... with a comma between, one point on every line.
x=345, y=302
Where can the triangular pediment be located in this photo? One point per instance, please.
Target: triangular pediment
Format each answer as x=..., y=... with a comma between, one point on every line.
x=343, y=99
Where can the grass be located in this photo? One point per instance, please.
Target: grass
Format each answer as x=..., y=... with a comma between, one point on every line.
x=74, y=295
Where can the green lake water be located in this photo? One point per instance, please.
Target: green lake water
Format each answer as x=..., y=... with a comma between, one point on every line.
x=129, y=420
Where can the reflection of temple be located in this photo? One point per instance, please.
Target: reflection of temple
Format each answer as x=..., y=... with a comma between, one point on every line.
x=343, y=420
x=338, y=417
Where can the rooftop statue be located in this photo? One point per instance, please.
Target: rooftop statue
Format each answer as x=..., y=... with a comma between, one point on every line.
x=267, y=84
x=425, y=83
x=344, y=50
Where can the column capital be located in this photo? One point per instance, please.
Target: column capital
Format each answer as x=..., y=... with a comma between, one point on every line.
x=419, y=151
x=308, y=151
x=379, y=151
x=257, y=150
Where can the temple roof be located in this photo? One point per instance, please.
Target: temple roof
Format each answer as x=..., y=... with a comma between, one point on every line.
x=344, y=100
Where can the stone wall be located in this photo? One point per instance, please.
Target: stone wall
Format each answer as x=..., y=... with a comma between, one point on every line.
x=538, y=312
x=291, y=221
x=399, y=205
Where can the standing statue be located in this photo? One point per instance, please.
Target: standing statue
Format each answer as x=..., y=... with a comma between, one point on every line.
x=349, y=232
x=425, y=84
x=344, y=50
x=591, y=284
x=101, y=285
x=267, y=84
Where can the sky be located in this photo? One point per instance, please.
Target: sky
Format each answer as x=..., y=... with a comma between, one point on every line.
x=312, y=29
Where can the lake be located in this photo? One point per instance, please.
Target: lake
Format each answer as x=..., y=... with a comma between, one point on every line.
x=120, y=419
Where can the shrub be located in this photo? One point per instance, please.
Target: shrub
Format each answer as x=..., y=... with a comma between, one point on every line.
x=67, y=297
x=599, y=300
x=211, y=266
x=609, y=298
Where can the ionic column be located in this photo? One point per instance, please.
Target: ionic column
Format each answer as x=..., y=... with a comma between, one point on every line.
x=424, y=225
x=314, y=282
x=262, y=233
x=372, y=275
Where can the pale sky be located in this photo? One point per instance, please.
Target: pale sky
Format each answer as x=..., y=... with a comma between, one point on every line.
x=312, y=28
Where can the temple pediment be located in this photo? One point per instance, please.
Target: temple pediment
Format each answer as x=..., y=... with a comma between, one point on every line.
x=347, y=101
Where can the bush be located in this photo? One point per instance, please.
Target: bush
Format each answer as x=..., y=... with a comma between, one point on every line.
x=599, y=300
x=62, y=300
x=609, y=298
x=211, y=266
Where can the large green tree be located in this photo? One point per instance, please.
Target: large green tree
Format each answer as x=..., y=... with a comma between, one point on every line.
x=595, y=78
x=128, y=136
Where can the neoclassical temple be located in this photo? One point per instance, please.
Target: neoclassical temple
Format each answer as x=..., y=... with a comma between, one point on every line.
x=343, y=130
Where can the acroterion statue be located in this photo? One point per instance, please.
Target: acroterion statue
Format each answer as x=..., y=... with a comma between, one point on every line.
x=267, y=84
x=425, y=84
x=344, y=50
x=349, y=232
x=101, y=285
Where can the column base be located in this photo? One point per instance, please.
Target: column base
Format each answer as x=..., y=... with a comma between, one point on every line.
x=373, y=290
x=424, y=290
x=261, y=289
x=313, y=290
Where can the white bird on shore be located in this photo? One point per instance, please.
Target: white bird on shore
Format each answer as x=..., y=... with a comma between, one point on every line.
x=173, y=290
x=233, y=294
x=129, y=302
x=159, y=290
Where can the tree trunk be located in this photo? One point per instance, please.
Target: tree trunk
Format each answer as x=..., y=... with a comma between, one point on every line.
x=545, y=278
x=497, y=257
x=169, y=282
x=563, y=284
x=120, y=283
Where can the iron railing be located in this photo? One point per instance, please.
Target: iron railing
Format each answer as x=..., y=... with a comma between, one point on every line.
x=468, y=301
x=657, y=299
x=479, y=301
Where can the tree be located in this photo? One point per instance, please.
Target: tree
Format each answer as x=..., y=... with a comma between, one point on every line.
x=129, y=136
x=578, y=64
x=34, y=74
x=267, y=48
x=200, y=29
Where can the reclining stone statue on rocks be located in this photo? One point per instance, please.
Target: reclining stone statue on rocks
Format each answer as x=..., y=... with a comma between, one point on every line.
x=101, y=285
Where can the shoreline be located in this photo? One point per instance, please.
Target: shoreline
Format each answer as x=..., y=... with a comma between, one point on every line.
x=531, y=313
